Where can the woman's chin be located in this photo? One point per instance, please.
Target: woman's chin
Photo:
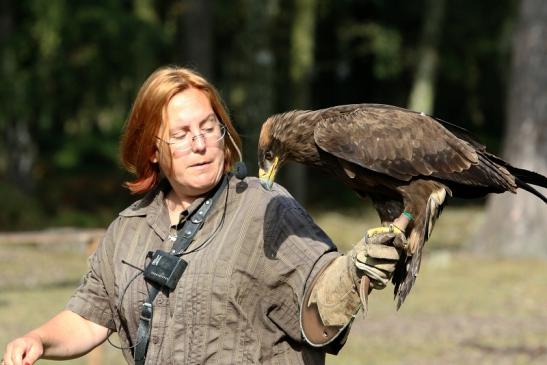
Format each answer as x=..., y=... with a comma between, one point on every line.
x=201, y=184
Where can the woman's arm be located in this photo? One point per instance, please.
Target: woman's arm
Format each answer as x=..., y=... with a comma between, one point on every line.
x=336, y=294
x=65, y=336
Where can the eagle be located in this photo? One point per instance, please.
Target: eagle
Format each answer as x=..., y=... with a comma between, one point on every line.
x=406, y=162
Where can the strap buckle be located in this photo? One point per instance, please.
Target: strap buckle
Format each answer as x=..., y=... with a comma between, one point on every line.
x=146, y=312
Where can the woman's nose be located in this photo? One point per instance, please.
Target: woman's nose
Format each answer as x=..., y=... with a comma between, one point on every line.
x=198, y=142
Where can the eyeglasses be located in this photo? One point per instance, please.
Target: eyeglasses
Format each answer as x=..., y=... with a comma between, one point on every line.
x=211, y=132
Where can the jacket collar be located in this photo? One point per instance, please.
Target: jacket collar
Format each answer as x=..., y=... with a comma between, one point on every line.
x=153, y=208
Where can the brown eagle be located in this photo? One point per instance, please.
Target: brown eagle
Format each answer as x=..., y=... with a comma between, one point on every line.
x=406, y=162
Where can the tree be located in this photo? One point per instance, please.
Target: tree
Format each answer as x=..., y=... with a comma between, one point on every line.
x=516, y=225
x=300, y=69
x=247, y=61
x=198, y=36
x=19, y=148
x=70, y=72
x=423, y=91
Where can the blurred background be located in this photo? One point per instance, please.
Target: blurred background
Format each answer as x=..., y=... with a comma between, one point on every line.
x=71, y=69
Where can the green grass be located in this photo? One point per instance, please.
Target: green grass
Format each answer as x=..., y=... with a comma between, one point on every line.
x=464, y=309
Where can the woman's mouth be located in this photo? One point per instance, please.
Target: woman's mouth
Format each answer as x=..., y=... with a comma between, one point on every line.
x=200, y=164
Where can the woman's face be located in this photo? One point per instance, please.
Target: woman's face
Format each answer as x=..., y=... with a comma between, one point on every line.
x=196, y=170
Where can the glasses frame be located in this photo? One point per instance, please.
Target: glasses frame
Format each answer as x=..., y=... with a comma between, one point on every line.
x=203, y=136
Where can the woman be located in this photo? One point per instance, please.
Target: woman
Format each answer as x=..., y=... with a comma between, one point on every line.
x=259, y=281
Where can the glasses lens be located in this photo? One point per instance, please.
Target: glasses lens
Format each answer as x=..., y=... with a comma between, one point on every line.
x=208, y=135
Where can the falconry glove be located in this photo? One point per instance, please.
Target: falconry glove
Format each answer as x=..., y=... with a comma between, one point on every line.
x=337, y=292
x=376, y=259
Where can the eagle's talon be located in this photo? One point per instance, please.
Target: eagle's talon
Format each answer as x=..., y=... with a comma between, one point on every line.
x=399, y=238
x=391, y=228
x=384, y=230
x=400, y=241
x=379, y=230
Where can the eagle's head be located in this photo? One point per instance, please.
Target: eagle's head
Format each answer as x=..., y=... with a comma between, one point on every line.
x=271, y=151
x=284, y=137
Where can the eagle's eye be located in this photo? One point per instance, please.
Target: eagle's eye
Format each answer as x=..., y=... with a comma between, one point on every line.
x=268, y=155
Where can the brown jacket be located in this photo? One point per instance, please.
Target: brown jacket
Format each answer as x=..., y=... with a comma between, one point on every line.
x=237, y=302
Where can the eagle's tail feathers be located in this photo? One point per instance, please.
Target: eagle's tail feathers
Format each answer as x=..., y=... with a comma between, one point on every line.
x=529, y=177
x=521, y=184
x=435, y=205
x=403, y=289
x=500, y=178
x=523, y=175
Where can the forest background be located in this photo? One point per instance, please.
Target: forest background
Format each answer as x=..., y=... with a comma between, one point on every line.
x=70, y=71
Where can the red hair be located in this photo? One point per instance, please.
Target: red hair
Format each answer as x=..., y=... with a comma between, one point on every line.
x=138, y=143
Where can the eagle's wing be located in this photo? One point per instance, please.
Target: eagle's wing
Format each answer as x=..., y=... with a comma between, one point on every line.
x=393, y=141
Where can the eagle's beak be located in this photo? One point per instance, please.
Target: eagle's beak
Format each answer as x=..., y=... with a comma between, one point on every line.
x=267, y=177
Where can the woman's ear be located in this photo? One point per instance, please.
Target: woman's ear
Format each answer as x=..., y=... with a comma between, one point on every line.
x=155, y=156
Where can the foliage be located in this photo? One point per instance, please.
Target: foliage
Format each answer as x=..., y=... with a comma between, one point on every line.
x=70, y=71
x=18, y=209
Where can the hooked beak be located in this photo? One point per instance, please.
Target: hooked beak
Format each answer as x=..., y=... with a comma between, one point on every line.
x=267, y=177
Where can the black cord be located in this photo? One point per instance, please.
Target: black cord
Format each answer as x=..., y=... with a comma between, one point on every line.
x=215, y=231
x=118, y=306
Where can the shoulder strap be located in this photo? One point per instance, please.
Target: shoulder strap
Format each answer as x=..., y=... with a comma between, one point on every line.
x=143, y=332
x=192, y=225
x=189, y=229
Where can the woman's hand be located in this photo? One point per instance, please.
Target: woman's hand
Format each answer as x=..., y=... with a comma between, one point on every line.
x=65, y=336
x=23, y=350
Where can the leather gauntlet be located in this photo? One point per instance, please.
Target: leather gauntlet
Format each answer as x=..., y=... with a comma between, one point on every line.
x=334, y=298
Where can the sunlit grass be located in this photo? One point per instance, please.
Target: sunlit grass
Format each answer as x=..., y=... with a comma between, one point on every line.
x=467, y=310
x=37, y=283
x=463, y=309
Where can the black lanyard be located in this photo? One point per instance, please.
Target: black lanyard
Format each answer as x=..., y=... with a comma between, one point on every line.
x=193, y=223
x=175, y=267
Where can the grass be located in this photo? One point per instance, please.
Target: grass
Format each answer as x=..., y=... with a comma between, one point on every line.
x=35, y=286
x=464, y=309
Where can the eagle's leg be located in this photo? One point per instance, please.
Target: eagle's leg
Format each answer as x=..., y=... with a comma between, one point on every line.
x=395, y=219
x=396, y=228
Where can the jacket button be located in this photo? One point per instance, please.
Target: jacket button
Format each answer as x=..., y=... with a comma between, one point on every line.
x=155, y=340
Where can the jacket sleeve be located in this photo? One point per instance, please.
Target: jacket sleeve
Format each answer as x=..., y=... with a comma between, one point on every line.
x=91, y=299
x=330, y=304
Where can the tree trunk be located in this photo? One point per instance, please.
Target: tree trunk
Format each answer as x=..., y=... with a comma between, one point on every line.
x=250, y=74
x=5, y=32
x=517, y=225
x=198, y=36
x=19, y=147
x=301, y=65
x=20, y=155
x=422, y=95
